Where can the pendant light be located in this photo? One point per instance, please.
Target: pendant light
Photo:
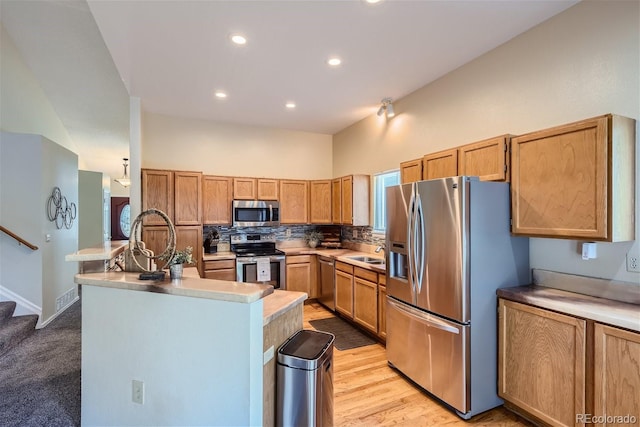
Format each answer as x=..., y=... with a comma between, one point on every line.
x=124, y=181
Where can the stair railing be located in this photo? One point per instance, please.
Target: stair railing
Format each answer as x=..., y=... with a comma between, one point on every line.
x=19, y=239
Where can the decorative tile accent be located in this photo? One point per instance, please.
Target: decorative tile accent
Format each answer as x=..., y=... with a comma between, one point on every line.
x=297, y=232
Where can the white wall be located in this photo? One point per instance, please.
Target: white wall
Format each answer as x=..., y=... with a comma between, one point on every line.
x=226, y=149
x=59, y=168
x=24, y=107
x=31, y=166
x=581, y=63
x=90, y=209
x=20, y=267
x=129, y=335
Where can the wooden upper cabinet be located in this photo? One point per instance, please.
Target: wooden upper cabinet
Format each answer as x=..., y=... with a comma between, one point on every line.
x=157, y=193
x=440, y=165
x=347, y=200
x=267, y=189
x=575, y=181
x=217, y=194
x=320, y=202
x=360, y=199
x=353, y=193
x=336, y=201
x=486, y=159
x=294, y=201
x=245, y=189
x=187, y=208
x=411, y=171
x=617, y=377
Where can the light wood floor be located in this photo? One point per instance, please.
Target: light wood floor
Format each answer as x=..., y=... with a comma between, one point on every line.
x=368, y=392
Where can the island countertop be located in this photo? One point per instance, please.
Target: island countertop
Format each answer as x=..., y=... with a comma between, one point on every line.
x=106, y=251
x=196, y=287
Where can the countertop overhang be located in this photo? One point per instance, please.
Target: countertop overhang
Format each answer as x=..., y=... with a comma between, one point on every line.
x=103, y=252
x=187, y=286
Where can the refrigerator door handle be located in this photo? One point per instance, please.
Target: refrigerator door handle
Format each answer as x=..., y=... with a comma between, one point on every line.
x=410, y=259
x=424, y=318
x=420, y=244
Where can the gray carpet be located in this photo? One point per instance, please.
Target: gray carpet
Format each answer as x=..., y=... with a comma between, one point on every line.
x=40, y=378
x=347, y=336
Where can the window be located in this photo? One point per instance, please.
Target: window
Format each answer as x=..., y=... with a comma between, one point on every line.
x=380, y=182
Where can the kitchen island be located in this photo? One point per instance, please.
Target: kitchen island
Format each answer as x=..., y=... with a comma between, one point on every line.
x=181, y=352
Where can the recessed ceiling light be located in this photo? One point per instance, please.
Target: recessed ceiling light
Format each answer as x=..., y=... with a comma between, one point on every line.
x=334, y=61
x=238, y=39
x=373, y=1
x=290, y=105
x=220, y=94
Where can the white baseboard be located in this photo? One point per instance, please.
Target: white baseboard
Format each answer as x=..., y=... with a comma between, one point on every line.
x=58, y=313
x=23, y=306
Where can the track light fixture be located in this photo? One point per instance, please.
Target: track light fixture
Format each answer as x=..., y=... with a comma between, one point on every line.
x=387, y=107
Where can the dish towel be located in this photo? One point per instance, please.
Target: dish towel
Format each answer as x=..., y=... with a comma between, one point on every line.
x=264, y=269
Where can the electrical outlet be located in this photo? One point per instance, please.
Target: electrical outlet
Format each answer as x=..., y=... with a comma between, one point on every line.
x=287, y=232
x=137, y=391
x=633, y=263
x=355, y=234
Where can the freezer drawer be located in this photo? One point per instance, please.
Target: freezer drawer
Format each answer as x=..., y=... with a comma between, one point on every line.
x=430, y=350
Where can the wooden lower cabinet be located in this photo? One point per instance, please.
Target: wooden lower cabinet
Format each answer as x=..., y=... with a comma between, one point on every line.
x=223, y=269
x=542, y=362
x=616, y=372
x=365, y=298
x=344, y=289
x=382, y=306
x=301, y=274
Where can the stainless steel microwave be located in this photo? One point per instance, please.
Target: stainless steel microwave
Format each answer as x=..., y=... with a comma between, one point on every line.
x=256, y=213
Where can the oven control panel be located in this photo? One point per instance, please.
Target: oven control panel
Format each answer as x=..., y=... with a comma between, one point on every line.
x=239, y=238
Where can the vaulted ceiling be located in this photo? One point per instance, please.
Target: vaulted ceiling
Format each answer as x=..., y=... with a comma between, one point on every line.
x=174, y=55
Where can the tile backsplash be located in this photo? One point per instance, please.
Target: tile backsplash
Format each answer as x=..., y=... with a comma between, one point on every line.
x=361, y=235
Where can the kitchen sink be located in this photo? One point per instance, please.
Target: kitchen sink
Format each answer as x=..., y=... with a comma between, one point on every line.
x=367, y=259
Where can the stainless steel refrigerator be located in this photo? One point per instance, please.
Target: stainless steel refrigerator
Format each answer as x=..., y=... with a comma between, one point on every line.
x=449, y=249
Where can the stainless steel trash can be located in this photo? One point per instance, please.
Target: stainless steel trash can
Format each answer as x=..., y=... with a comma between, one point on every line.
x=305, y=380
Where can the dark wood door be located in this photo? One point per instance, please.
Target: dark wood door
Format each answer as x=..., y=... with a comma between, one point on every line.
x=120, y=220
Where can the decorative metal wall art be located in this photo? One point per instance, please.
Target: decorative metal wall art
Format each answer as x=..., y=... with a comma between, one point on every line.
x=59, y=210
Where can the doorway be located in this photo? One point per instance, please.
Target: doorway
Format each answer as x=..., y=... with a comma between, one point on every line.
x=120, y=218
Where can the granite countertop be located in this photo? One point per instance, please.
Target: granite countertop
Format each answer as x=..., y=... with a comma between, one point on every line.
x=196, y=287
x=279, y=302
x=106, y=251
x=341, y=255
x=611, y=312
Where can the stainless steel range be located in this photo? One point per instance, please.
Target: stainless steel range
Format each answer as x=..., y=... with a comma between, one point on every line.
x=258, y=260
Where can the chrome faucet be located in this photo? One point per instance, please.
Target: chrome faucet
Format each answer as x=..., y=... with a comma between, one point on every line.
x=380, y=248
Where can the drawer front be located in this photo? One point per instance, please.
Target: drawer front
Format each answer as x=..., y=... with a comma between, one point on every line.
x=223, y=274
x=365, y=274
x=298, y=259
x=342, y=266
x=220, y=264
x=382, y=279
